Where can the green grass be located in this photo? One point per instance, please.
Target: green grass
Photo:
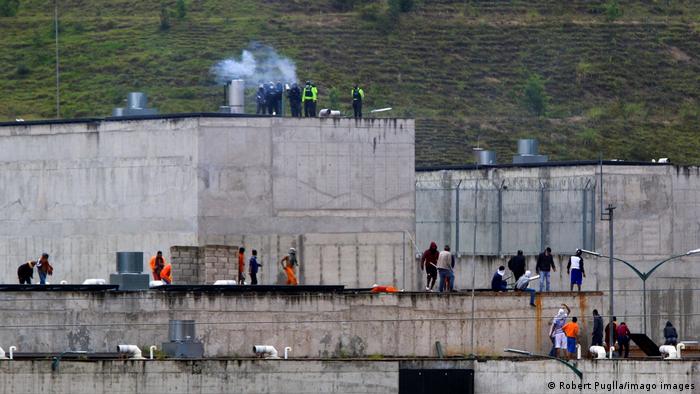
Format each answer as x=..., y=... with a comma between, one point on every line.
x=628, y=88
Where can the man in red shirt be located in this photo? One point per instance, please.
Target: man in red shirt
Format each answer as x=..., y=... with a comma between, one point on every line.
x=241, y=265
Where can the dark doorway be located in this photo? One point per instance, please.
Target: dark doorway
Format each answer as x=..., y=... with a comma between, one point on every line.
x=443, y=381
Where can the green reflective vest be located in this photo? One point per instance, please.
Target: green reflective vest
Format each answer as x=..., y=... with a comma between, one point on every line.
x=357, y=94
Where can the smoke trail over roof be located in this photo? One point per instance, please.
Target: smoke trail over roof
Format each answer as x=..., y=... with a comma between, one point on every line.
x=258, y=63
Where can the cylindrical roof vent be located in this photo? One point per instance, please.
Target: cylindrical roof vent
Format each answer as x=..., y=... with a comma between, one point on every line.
x=181, y=331
x=528, y=147
x=485, y=157
x=129, y=262
x=236, y=96
x=118, y=111
x=136, y=100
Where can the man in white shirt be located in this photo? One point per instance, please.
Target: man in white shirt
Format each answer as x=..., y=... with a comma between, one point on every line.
x=575, y=266
x=445, y=263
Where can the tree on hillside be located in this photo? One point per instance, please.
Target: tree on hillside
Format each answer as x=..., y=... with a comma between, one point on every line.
x=9, y=7
x=535, y=96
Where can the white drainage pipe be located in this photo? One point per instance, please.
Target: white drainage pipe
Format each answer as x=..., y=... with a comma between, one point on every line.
x=578, y=351
x=94, y=282
x=598, y=351
x=265, y=351
x=286, y=352
x=612, y=350
x=679, y=347
x=13, y=348
x=132, y=350
x=151, y=349
x=64, y=282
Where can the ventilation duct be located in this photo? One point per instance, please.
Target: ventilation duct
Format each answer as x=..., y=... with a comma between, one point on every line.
x=528, y=152
x=183, y=343
x=129, y=275
x=136, y=105
x=485, y=157
x=235, y=97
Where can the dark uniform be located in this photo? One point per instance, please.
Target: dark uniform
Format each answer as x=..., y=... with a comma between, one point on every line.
x=357, y=96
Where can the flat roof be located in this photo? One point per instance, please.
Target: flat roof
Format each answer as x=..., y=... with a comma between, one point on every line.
x=469, y=167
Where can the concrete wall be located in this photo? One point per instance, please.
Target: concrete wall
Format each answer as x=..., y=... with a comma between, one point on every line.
x=82, y=191
x=314, y=324
x=657, y=216
x=348, y=376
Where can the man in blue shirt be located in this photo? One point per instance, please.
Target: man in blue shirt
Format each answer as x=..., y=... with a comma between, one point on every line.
x=253, y=266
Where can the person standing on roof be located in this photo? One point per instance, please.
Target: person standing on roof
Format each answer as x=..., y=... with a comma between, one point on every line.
x=517, y=265
x=288, y=263
x=623, y=340
x=445, y=264
x=241, y=266
x=271, y=98
x=557, y=333
x=44, y=268
x=357, y=96
x=294, y=97
x=308, y=98
x=576, y=267
x=253, y=266
x=571, y=330
x=545, y=264
x=597, y=329
x=260, y=101
x=428, y=262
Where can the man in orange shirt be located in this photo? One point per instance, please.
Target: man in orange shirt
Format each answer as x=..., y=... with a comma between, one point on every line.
x=157, y=264
x=241, y=265
x=571, y=330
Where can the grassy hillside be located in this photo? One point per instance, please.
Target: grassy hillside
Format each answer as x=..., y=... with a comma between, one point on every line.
x=617, y=78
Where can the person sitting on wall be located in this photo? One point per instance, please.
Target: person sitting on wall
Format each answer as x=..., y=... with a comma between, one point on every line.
x=25, y=272
x=522, y=285
x=157, y=264
x=497, y=282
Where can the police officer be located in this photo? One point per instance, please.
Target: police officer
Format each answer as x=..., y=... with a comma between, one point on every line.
x=279, y=91
x=309, y=97
x=294, y=96
x=270, y=98
x=260, y=101
x=357, y=95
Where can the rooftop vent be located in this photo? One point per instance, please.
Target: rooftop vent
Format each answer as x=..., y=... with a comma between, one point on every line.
x=183, y=344
x=129, y=275
x=485, y=157
x=235, y=97
x=136, y=105
x=528, y=152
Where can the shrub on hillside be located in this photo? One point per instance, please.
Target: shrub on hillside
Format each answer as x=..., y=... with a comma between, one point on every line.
x=181, y=9
x=612, y=10
x=164, y=17
x=534, y=95
x=9, y=7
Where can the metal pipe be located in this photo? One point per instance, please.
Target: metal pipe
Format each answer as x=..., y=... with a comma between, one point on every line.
x=612, y=308
x=457, y=217
x=265, y=350
x=286, y=352
x=151, y=349
x=500, y=218
x=476, y=218
x=132, y=351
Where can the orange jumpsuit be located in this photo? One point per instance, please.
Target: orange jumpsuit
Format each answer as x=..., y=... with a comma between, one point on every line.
x=289, y=270
x=166, y=275
x=153, y=267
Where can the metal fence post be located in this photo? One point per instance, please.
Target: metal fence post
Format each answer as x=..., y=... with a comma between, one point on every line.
x=542, y=222
x=500, y=218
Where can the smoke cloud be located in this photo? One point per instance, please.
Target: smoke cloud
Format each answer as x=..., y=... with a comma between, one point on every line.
x=257, y=64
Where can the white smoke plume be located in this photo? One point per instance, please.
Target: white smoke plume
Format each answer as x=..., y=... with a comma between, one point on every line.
x=257, y=64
